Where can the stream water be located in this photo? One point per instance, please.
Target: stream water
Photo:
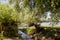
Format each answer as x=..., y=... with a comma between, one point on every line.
x=24, y=36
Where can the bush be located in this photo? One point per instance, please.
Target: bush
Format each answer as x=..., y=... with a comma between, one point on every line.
x=9, y=21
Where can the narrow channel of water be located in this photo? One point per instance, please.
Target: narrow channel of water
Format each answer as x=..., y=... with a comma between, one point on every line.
x=24, y=36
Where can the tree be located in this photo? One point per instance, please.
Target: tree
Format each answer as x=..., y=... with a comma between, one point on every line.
x=32, y=10
x=37, y=8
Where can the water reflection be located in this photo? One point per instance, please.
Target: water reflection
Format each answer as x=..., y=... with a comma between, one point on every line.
x=24, y=36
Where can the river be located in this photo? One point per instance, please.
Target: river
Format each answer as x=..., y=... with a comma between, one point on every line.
x=24, y=36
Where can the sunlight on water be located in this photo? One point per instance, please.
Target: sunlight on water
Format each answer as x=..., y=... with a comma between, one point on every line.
x=24, y=36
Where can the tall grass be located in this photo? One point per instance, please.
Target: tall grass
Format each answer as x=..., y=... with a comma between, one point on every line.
x=1, y=35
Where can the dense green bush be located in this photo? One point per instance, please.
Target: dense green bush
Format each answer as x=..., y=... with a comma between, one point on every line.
x=9, y=21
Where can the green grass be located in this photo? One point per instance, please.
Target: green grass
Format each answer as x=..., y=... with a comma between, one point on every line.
x=1, y=35
x=29, y=29
x=52, y=27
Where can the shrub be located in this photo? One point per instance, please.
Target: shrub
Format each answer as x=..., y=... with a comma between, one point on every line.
x=9, y=21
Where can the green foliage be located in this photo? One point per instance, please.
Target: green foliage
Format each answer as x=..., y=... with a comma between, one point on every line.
x=8, y=18
x=1, y=35
x=7, y=14
x=40, y=6
x=29, y=30
x=51, y=32
x=27, y=14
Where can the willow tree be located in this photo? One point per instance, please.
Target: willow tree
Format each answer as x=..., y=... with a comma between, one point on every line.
x=32, y=10
x=37, y=8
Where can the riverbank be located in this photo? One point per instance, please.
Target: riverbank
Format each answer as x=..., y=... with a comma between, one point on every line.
x=16, y=38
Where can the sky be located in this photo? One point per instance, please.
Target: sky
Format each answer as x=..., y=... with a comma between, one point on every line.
x=3, y=1
x=48, y=14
